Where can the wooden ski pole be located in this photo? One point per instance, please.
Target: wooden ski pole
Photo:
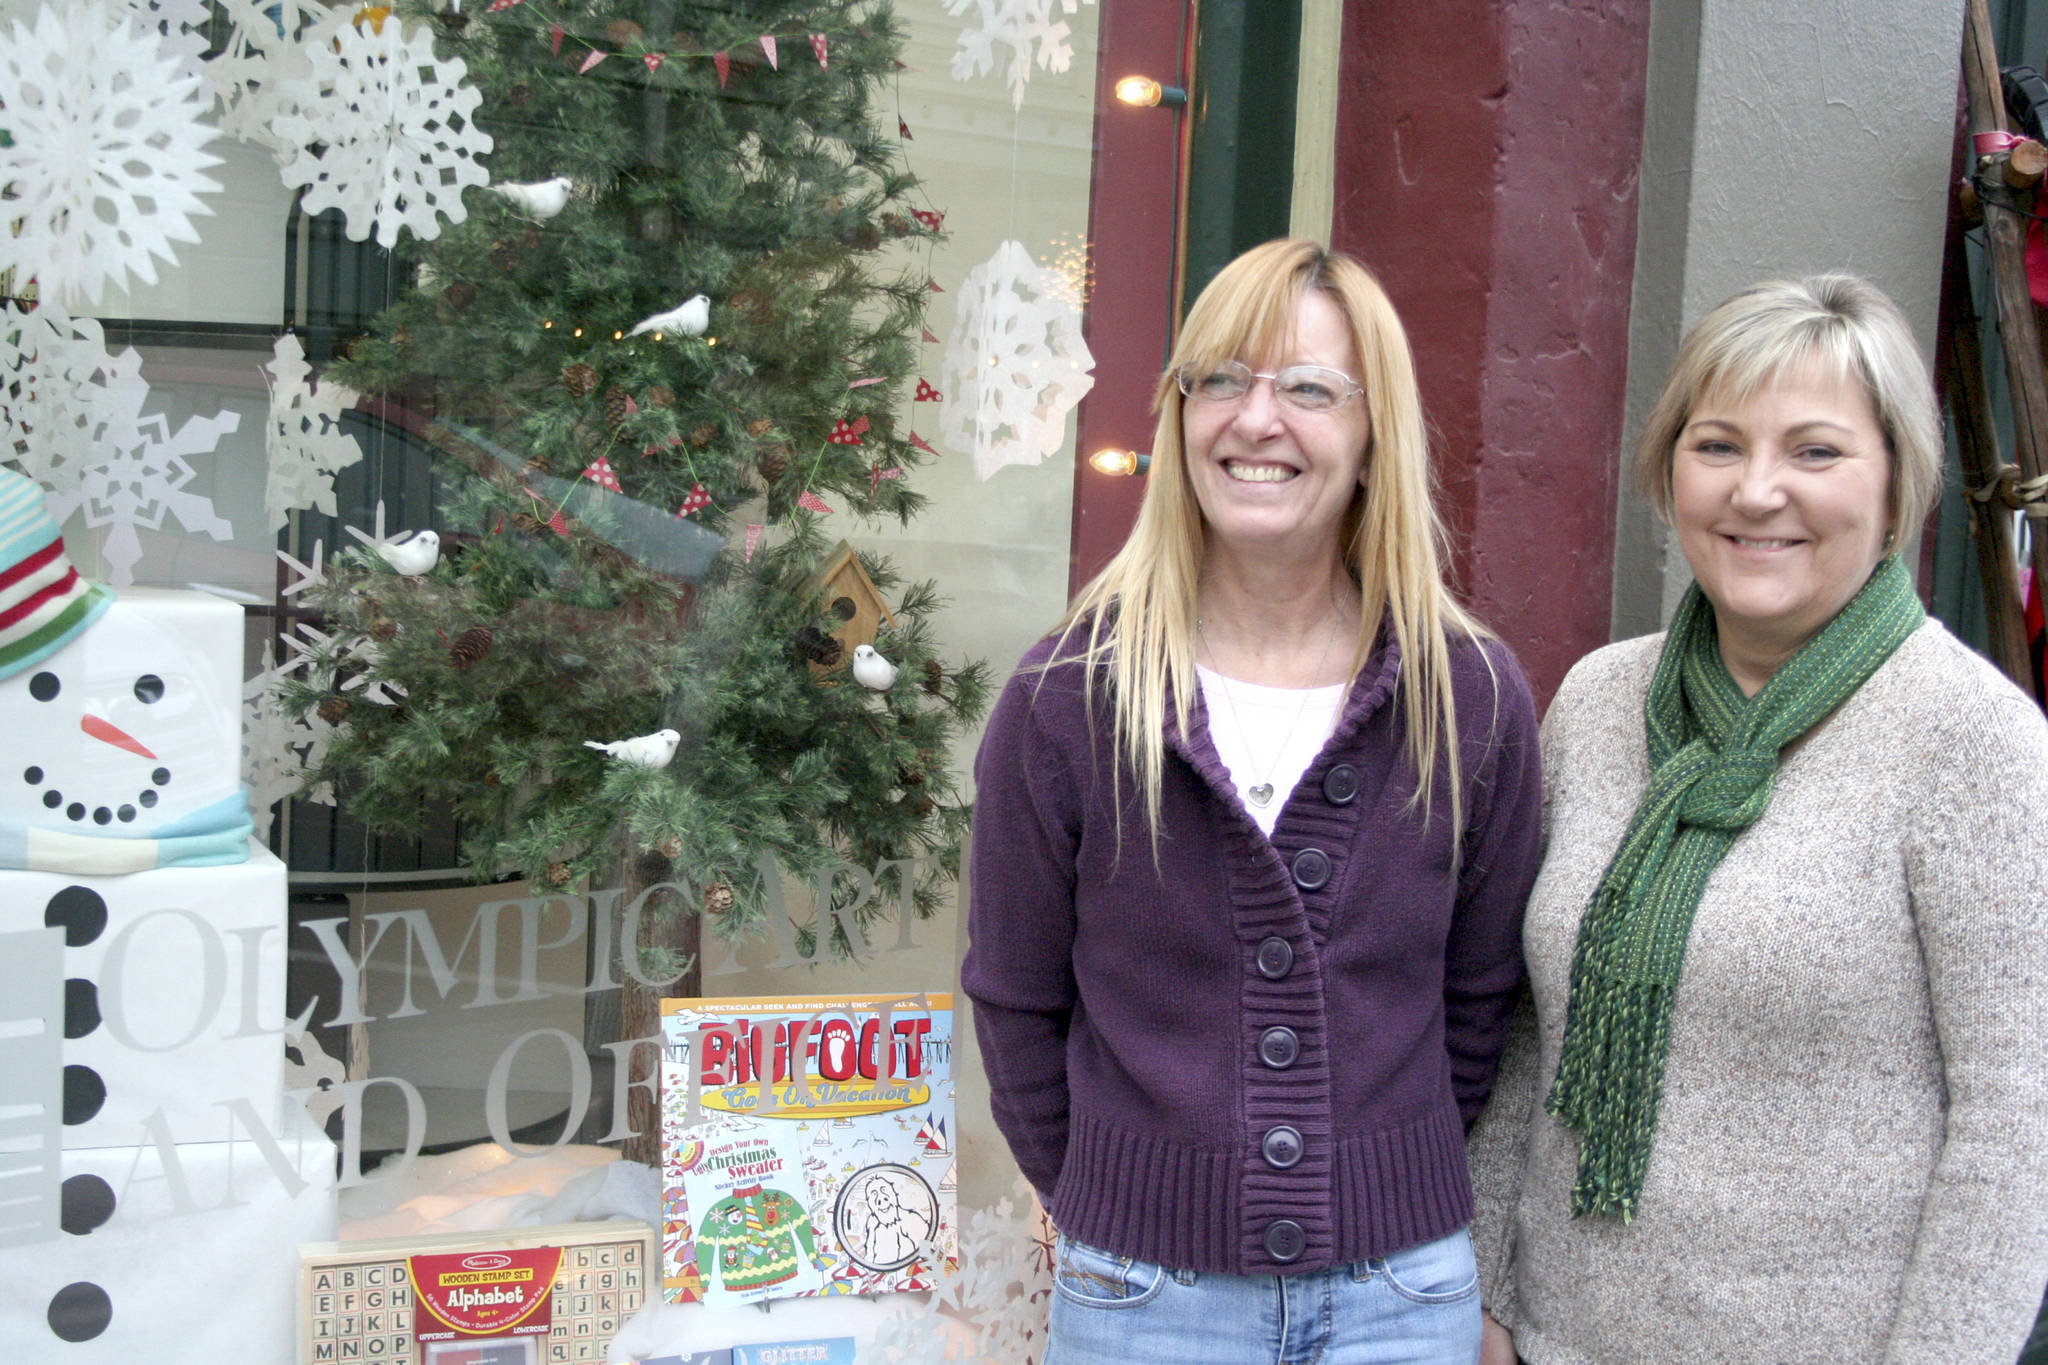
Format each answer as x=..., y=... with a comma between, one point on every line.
x=2005, y=227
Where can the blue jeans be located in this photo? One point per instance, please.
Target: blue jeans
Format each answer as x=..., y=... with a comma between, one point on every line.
x=1419, y=1306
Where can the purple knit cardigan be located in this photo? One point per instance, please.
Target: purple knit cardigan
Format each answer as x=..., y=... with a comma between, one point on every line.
x=1257, y=1056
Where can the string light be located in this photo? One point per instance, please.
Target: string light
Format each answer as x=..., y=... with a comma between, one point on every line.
x=1145, y=93
x=577, y=333
x=1119, y=463
x=547, y=323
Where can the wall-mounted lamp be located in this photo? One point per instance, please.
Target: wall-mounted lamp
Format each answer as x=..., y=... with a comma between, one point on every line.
x=1146, y=93
x=1117, y=463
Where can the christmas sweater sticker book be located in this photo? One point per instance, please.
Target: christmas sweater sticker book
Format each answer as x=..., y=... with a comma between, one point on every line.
x=807, y=1146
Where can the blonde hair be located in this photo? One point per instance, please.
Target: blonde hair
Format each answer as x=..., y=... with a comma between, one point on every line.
x=1138, y=614
x=1840, y=323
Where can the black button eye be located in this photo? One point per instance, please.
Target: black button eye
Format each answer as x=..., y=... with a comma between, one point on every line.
x=44, y=687
x=149, y=688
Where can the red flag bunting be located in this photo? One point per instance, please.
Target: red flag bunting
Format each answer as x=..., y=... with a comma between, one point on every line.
x=933, y=285
x=755, y=530
x=877, y=474
x=818, y=47
x=592, y=60
x=555, y=37
x=934, y=221
x=926, y=393
x=811, y=502
x=600, y=473
x=768, y=46
x=557, y=523
x=929, y=337
x=723, y=61
x=863, y=383
x=654, y=61
x=698, y=499
x=845, y=433
x=922, y=444
x=903, y=131
x=497, y=5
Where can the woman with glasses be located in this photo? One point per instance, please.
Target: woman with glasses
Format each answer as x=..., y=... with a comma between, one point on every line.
x=1253, y=832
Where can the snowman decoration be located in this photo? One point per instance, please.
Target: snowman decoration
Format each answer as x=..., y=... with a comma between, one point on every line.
x=124, y=733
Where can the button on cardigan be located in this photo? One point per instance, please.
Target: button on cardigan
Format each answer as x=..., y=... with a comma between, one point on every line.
x=1130, y=1012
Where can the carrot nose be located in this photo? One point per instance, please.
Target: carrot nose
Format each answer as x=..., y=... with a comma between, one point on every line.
x=114, y=735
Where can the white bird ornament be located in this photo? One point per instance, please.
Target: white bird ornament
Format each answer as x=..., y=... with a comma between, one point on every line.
x=690, y=318
x=645, y=751
x=413, y=553
x=871, y=670
x=541, y=200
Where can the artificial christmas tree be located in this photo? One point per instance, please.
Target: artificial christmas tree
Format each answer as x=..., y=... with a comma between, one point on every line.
x=683, y=312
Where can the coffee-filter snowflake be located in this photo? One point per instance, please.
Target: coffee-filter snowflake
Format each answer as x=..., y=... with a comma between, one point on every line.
x=385, y=131
x=1027, y=28
x=303, y=441
x=1016, y=362
x=265, y=44
x=107, y=151
x=61, y=391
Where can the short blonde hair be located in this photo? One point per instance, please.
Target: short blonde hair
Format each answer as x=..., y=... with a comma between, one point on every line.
x=1138, y=614
x=1841, y=323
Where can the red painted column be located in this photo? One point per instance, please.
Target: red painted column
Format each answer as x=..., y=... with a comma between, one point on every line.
x=1487, y=155
x=1133, y=232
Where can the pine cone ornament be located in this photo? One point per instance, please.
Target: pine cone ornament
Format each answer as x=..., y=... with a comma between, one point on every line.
x=718, y=898
x=454, y=20
x=934, y=676
x=703, y=436
x=618, y=406
x=520, y=95
x=384, y=628
x=760, y=427
x=750, y=304
x=558, y=874
x=818, y=647
x=896, y=225
x=623, y=32
x=661, y=396
x=670, y=847
x=459, y=295
x=579, y=379
x=505, y=257
x=536, y=465
x=333, y=710
x=773, y=465
x=470, y=646
x=864, y=236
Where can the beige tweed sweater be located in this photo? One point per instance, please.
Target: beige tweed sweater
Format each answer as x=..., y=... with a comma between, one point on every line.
x=1852, y=1151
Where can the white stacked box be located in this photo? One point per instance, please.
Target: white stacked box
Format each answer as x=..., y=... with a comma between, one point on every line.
x=146, y=1007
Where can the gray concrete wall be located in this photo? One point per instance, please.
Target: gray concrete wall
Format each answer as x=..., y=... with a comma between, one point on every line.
x=1781, y=139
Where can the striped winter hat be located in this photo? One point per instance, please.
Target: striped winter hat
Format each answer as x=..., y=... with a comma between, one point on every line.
x=44, y=604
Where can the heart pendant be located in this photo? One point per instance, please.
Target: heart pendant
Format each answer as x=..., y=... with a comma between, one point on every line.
x=1260, y=794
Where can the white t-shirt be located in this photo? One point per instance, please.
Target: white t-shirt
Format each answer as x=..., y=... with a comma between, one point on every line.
x=1267, y=736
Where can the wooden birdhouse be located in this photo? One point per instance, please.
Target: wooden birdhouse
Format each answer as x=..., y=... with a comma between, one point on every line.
x=853, y=603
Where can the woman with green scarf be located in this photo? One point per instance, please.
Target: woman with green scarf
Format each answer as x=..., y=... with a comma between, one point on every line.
x=1783, y=1095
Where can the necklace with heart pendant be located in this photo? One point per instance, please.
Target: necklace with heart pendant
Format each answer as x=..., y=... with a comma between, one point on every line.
x=1260, y=793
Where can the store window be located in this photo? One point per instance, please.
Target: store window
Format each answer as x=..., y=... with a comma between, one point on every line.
x=582, y=470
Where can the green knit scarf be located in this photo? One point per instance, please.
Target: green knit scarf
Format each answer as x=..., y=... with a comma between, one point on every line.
x=1714, y=761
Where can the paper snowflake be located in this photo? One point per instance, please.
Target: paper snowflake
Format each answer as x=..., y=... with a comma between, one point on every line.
x=1028, y=28
x=104, y=152
x=385, y=131
x=265, y=45
x=60, y=391
x=1015, y=364
x=180, y=27
x=994, y=1306
x=304, y=441
x=137, y=475
x=278, y=749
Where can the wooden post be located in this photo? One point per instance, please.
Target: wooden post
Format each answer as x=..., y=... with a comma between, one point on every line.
x=1977, y=445
x=2005, y=227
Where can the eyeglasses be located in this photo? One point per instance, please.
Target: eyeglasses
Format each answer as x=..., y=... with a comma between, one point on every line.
x=1305, y=388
